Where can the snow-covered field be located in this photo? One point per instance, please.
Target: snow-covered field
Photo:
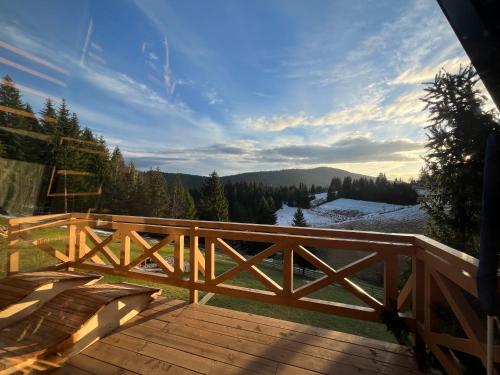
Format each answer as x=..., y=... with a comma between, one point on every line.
x=357, y=214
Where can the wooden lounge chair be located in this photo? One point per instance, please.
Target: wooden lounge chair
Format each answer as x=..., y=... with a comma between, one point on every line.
x=68, y=323
x=23, y=293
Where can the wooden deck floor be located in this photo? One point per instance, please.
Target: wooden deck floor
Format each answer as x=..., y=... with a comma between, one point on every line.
x=172, y=337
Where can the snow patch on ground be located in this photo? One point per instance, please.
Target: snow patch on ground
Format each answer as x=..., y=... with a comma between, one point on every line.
x=357, y=214
x=319, y=198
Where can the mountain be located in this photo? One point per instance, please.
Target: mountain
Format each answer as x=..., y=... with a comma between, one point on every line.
x=320, y=176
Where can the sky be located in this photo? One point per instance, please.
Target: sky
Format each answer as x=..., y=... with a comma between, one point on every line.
x=237, y=86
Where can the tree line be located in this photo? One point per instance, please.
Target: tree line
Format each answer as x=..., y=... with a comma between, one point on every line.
x=379, y=189
x=84, y=174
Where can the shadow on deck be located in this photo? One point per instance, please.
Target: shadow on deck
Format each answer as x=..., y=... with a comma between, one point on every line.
x=174, y=337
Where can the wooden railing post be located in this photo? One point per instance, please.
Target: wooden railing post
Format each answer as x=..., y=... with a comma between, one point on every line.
x=179, y=256
x=288, y=271
x=12, y=249
x=193, y=264
x=209, y=259
x=418, y=295
x=391, y=278
x=124, y=248
x=71, y=245
x=81, y=243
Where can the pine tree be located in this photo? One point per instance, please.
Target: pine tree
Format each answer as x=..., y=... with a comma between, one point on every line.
x=156, y=194
x=298, y=219
x=47, y=117
x=266, y=213
x=213, y=203
x=454, y=162
x=333, y=189
x=182, y=203
x=114, y=188
x=13, y=144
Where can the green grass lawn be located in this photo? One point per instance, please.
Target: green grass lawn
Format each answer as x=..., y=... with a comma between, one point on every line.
x=32, y=258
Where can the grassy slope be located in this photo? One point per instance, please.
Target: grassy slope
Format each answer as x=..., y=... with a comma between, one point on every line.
x=31, y=259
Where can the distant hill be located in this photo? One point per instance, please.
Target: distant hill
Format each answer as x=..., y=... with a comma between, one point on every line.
x=320, y=176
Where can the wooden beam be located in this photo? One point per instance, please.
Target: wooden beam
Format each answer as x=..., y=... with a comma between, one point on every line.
x=194, y=263
x=287, y=271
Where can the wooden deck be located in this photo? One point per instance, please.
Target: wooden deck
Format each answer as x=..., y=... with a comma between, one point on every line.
x=172, y=337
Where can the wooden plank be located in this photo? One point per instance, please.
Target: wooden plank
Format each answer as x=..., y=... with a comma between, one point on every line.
x=343, y=244
x=265, y=330
x=31, y=219
x=327, y=307
x=307, y=231
x=297, y=327
x=71, y=241
x=248, y=264
x=189, y=345
x=164, y=353
x=95, y=366
x=124, y=249
x=70, y=370
x=404, y=297
x=101, y=245
x=179, y=255
x=275, y=353
x=209, y=260
x=287, y=340
x=132, y=361
x=287, y=271
x=391, y=279
x=151, y=251
x=194, y=264
x=464, y=313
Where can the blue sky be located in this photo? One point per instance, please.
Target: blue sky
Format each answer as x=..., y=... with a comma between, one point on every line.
x=235, y=86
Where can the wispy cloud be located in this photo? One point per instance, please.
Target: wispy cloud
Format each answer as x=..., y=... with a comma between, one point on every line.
x=420, y=75
x=405, y=108
x=213, y=97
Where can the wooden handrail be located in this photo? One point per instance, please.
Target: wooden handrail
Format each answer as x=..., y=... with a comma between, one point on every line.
x=440, y=275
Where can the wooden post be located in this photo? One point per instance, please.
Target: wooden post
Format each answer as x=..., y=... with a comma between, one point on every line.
x=81, y=243
x=288, y=271
x=71, y=249
x=179, y=256
x=193, y=264
x=12, y=250
x=124, y=249
x=418, y=308
x=209, y=260
x=391, y=278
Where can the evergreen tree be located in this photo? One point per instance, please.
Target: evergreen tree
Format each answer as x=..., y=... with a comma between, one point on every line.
x=298, y=219
x=156, y=194
x=213, y=203
x=114, y=186
x=13, y=145
x=182, y=203
x=454, y=162
x=266, y=213
x=333, y=189
x=47, y=117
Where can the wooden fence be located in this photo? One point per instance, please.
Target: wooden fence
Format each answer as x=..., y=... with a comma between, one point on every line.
x=440, y=276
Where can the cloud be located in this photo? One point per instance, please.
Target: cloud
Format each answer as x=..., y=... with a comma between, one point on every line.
x=153, y=56
x=348, y=150
x=425, y=74
x=213, y=97
x=96, y=47
x=405, y=108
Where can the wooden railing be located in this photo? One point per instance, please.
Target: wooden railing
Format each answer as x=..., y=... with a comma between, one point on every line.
x=440, y=276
